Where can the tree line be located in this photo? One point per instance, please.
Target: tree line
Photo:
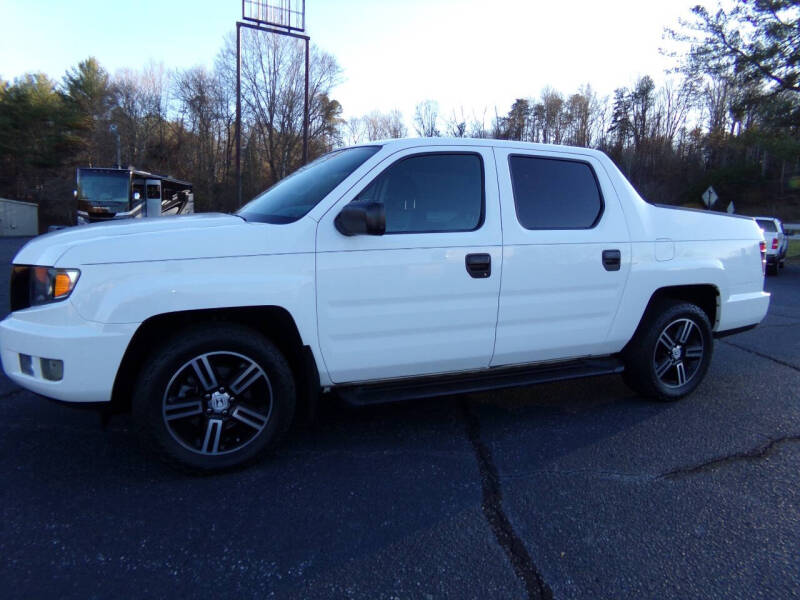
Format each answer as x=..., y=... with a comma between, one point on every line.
x=179, y=123
x=727, y=116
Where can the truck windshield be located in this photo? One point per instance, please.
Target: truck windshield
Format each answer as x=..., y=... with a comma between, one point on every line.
x=292, y=197
x=104, y=191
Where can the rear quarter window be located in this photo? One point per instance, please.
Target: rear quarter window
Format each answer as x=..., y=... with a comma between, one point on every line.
x=553, y=193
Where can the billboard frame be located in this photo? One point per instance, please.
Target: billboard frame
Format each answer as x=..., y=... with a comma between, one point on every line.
x=266, y=27
x=301, y=11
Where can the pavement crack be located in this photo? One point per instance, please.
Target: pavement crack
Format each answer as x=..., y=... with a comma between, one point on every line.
x=756, y=453
x=762, y=355
x=590, y=473
x=492, y=506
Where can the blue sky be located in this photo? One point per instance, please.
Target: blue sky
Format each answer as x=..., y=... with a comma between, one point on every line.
x=462, y=53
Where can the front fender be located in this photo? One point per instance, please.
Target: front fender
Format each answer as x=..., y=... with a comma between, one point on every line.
x=134, y=292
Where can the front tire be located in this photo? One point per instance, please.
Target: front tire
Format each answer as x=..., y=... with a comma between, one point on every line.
x=214, y=397
x=670, y=353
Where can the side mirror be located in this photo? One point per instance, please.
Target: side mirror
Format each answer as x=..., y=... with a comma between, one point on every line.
x=136, y=195
x=362, y=218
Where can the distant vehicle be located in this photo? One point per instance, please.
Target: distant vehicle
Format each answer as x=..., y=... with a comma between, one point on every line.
x=777, y=242
x=374, y=272
x=109, y=194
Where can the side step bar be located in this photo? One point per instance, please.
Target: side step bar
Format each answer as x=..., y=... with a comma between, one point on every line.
x=480, y=381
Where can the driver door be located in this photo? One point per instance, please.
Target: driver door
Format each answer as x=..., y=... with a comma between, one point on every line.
x=422, y=298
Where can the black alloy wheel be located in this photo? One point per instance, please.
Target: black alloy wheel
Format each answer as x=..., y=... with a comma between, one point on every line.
x=678, y=353
x=217, y=403
x=670, y=352
x=214, y=397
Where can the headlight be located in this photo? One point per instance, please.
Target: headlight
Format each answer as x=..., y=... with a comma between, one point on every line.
x=33, y=286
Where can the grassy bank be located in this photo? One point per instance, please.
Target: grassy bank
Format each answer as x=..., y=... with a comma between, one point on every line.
x=794, y=249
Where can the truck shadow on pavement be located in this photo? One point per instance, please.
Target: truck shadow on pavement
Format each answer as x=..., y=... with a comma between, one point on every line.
x=555, y=415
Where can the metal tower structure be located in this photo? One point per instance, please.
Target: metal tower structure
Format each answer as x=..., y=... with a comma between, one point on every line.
x=283, y=17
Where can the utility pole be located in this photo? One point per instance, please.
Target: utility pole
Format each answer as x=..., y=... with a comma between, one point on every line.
x=113, y=129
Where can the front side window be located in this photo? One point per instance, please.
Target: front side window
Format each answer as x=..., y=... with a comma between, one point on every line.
x=293, y=196
x=554, y=193
x=430, y=193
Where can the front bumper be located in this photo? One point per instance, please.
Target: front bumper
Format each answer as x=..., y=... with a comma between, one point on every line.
x=91, y=352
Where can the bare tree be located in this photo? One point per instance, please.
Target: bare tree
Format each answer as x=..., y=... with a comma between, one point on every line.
x=203, y=130
x=141, y=114
x=128, y=115
x=272, y=99
x=382, y=126
x=373, y=126
x=396, y=125
x=716, y=95
x=456, y=125
x=354, y=131
x=675, y=101
x=477, y=125
x=426, y=119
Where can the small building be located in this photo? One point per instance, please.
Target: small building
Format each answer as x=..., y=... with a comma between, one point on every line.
x=18, y=218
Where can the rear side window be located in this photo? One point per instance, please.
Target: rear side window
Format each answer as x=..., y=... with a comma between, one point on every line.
x=767, y=225
x=430, y=193
x=554, y=193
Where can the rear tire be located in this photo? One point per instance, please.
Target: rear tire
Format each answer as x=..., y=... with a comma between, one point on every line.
x=670, y=352
x=214, y=397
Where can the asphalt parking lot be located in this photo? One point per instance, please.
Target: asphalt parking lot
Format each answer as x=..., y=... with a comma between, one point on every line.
x=568, y=490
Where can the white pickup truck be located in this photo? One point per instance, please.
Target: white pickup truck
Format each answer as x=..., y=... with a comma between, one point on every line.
x=400, y=269
x=777, y=243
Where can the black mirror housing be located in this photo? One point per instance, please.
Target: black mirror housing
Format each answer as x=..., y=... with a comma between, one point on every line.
x=362, y=218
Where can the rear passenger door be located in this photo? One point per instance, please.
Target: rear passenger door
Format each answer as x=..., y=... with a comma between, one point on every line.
x=566, y=257
x=421, y=299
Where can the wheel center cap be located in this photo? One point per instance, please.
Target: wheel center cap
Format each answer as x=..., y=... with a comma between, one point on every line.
x=676, y=352
x=219, y=401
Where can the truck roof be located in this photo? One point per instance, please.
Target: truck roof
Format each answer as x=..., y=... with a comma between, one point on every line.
x=400, y=143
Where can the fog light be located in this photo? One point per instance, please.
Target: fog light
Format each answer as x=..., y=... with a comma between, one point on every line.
x=52, y=369
x=26, y=364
